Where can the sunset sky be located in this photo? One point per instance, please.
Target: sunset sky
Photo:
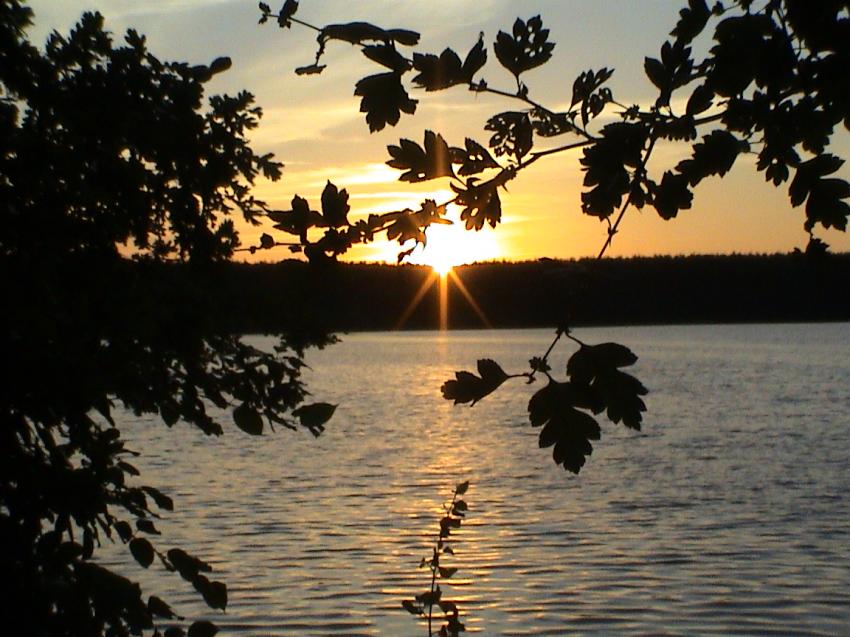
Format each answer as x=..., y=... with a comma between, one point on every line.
x=312, y=123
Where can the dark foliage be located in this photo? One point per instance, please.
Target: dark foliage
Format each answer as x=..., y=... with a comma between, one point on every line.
x=106, y=152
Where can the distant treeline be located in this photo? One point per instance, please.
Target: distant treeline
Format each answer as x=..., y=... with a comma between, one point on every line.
x=640, y=290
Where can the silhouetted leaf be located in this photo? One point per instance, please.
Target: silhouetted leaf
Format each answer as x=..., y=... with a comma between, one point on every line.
x=513, y=134
x=700, y=100
x=387, y=55
x=621, y=394
x=286, y=12
x=384, y=99
x=202, y=628
x=162, y=500
x=672, y=195
x=187, y=565
x=462, y=488
x=447, y=606
x=564, y=426
x=808, y=173
x=591, y=360
x=214, y=593
x=298, y=220
x=481, y=204
x=656, y=73
x=469, y=388
x=159, y=608
x=525, y=48
x=314, y=416
x=248, y=419
x=335, y=206
x=142, y=550
x=422, y=164
x=606, y=166
x=598, y=366
x=124, y=530
x=147, y=526
x=310, y=69
x=220, y=65
x=714, y=155
x=360, y=32
x=475, y=158
x=446, y=572
x=438, y=73
x=410, y=607
x=692, y=21
x=475, y=59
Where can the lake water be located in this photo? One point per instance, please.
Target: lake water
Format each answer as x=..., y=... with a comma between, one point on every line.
x=727, y=515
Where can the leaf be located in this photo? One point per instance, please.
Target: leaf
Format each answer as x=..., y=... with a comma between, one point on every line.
x=286, y=12
x=525, y=48
x=314, y=417
x=125, y=531
x=383, y=100
x=460, y=505
x=469, y=388
x=248, y=419
x=714, y=155
x=448, y=607
x=266, y=242
x=421, y=164
x=619, y=393
x=481, y=204
x=142, y=551
x=159, y=608
x=214, y=593
x=438, y=73
x=162, y=500
x=657, y=73
x=462, y=488
x=310, y=69
x=564, y=427
x=475, y=158
x=512, y=134
x=298, y=220
x=672, y=195
x=475, y=60
x=591, y=360
x=147, y=526
x=202, y=628
x=220, y=65
x=807, y=174
x=360, y=32
x=692, y=21
x=335, y=206
x=387, y=55
x=700, y=100
x=411, y=608
x=446, y=571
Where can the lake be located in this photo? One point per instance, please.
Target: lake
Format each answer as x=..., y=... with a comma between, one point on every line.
x=727, y=515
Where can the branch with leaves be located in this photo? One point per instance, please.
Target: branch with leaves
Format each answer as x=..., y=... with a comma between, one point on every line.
x=423, y=604
x=773, y=85
x=781, y=103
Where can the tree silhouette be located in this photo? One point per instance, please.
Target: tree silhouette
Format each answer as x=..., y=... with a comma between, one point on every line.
x=773, y=84
x=112, y=166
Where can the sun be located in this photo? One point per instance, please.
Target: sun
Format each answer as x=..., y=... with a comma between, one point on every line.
x=449, y=246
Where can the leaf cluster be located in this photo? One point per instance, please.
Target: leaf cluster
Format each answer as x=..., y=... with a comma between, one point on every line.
x=566, y=410
x=422, y=605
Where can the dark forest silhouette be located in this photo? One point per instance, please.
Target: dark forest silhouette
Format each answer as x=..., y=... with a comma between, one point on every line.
x=258, y=298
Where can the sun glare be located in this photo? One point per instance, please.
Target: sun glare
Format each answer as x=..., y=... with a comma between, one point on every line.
x=451, y=246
